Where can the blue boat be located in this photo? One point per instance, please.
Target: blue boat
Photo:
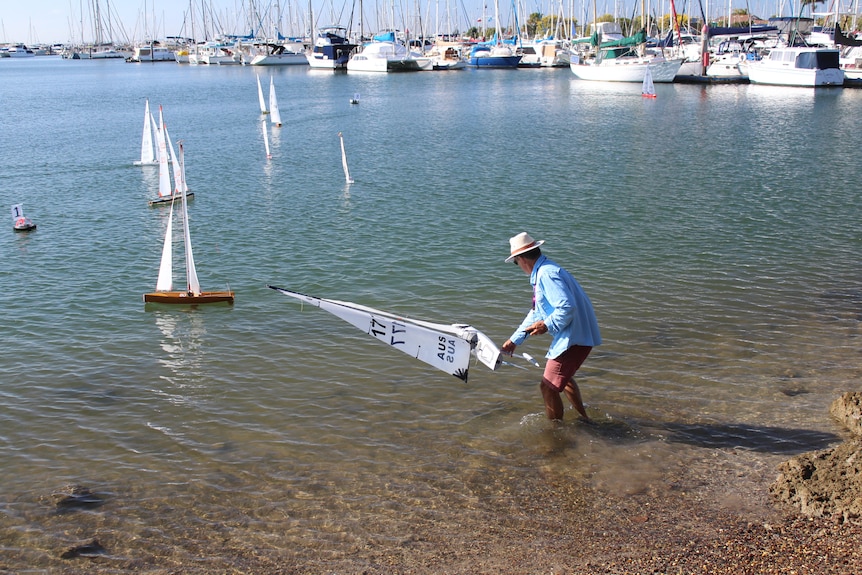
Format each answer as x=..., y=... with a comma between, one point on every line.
x=494, y=56
x=331, y=49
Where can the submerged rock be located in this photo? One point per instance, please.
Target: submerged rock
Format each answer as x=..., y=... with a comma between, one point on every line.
x=827, y=483
x=75, y=497
x=91, y=549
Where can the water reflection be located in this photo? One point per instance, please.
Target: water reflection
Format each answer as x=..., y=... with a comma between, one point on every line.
x=183, y=333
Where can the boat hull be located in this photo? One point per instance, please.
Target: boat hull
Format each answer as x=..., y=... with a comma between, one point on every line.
x=798, y=66
x=626, y=70
x=494, y=61
x=185, y=298
x=760, y=74
x=168, y=199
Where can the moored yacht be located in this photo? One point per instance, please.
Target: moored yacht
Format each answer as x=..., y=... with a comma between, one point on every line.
x=331, y=50
x=798, y=66
x=386, y=54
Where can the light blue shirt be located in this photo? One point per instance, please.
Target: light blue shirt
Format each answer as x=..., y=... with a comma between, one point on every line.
x=560, y=301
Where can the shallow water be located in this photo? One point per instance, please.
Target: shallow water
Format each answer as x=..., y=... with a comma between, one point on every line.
x=715, y=229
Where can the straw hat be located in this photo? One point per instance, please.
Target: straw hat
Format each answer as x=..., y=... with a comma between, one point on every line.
x=520, y=244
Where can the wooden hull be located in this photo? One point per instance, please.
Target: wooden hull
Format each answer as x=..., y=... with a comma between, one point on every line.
x=184, y=298
x=167, y=199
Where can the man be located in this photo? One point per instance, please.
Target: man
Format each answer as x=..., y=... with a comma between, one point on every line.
x=561, y=308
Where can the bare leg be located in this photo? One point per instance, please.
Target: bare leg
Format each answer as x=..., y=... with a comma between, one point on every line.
x=553, y=403
x=574, y=395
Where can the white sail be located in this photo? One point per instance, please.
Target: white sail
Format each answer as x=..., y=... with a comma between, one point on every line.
x=148, y=152
x=274, y=114
x=193, y=284
x=17, y=212
x=344, y=160
x=260, y=97
x=165, y=282
x=648, y=88
x=178, y=179
x=164, y=174
x=446, y=347
x=265, y=139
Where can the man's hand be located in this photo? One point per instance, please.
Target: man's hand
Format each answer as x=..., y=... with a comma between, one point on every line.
x=537, y=328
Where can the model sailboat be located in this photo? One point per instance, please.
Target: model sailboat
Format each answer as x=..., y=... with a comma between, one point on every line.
x=347, y=177
x=263, y=109
x=446, y=347
x=167, y=193
x=648, y=88
x=193, y=294
x=274, y=114
x=148, y=150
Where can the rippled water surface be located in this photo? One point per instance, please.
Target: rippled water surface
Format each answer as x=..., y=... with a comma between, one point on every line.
x=716, y=230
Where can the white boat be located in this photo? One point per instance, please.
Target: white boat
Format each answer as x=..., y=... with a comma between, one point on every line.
x=624, y=60
x=21, y=223
x=446, y=347
x=543, y=53
x=447, y=56
x=168, y=193
x=798, y=66
x=19, y=51
x=192, y=295
x=215, y=53
x=94, y=52
x=275, y=54
x=152, y=52
x=149, y=151
x=274, y=114
x=620, y=68
x=331, y=49
x=387, y=55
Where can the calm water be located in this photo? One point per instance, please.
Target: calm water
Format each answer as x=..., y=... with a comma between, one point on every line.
x=716, y=230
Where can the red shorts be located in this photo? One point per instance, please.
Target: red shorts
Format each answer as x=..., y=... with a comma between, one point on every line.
x=561, y=369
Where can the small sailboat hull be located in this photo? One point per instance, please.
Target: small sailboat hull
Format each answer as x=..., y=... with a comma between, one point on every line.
x=166, y=200
x=186, y=298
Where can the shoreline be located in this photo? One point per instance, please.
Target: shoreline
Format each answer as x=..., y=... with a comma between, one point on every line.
x=683, y=522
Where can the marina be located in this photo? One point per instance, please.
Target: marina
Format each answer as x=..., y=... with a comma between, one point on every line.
x=714, y=226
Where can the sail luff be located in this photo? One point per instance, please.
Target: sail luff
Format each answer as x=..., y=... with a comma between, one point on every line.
x=165, y=281
x=193, y=285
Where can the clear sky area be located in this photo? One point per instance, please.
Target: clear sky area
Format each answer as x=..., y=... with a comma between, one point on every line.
x=50, y=21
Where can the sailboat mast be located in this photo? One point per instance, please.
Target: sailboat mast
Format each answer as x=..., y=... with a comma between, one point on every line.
x=194, y=286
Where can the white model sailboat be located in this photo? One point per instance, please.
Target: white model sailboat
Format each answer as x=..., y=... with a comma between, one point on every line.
x=347, y=177
x=648, y=88
x=446, y=347
x=274, y=114
x=148, y=150
x=263, y=109
x=193, y=294
x=167, y=193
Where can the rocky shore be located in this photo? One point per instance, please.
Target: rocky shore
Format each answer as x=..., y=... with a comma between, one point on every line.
x=735, y=518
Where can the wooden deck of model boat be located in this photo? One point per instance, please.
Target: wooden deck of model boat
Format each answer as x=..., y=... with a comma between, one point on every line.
x=185, y=298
